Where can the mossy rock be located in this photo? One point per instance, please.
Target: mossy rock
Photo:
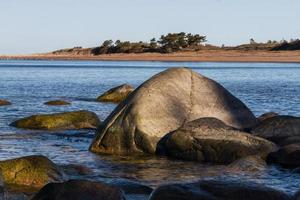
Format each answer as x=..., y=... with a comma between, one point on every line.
x=79, y=190
x=60, y=121
x=57, y=103
x=4, y=102
x=31, y=171
x=116, y=94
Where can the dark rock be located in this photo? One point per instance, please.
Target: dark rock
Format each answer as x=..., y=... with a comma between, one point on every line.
x=116, y=94
x=278, y=128
x=76, y=170
x=130, y=187
x=210, y=140
x=287, y=156
x=163, y=104
x=60, y=121
x=249, y=164
x=4, y=102
x=289, y=140
x=217, y=190
x=57, y=103
x=30, y=171
x=79, y=190
x=267, y=116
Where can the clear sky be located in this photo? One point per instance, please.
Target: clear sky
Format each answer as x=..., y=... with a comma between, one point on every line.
x=30, y=26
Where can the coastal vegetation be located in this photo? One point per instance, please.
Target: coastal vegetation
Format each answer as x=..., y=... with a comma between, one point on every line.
x=176, y=42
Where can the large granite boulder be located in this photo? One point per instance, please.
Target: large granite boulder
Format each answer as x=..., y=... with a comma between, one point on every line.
x=287, y=156
x=217, y=190
x=278, y=128
x=4, y=102
x=62, y=121
x=163, y=104
x=210, y=140
x=30, y=171
x=57, y=103
x=79, y=190
x=116, y=94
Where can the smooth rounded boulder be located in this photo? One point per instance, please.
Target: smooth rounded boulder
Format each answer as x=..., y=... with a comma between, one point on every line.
x=79, y=190
x=278, y=128
x=217, y=190
x=267, y=116
x=60, y=121
x=287, y=156
x=116, y=94
x=4, y=102
x=210, y=140
x=30, y=171
x=163, y=104
x=57, y=103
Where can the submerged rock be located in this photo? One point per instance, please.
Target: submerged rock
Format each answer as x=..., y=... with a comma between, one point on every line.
x=278, y=128
x=67, y=120
x=267, y=116
x=210, y=140
x=116, y=94
x=287, y=156
x=30, y=171
x=217, y=190
x=57, y=103
x=79, y=190
x=163, y=104
x=248, y=164
x=4, y=102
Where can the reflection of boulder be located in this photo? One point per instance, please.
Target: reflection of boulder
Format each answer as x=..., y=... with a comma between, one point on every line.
x=163, y=104
x=116, y=94
x=67, y=120
x=210, y=140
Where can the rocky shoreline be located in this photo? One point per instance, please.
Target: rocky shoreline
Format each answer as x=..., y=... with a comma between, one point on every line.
x=179, y=114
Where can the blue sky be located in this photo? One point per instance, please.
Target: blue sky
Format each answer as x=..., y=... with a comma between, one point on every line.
x=30, y=26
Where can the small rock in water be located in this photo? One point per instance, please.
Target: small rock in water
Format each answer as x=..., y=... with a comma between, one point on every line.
x=79, y=190
x=116, y=94
x=4, y=102
x=57, y=103
x=247, y=164
x=60, y=121
x=217, y=190
x=30, y=171
x=210, y=140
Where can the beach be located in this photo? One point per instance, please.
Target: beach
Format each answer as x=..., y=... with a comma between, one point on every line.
x=199, y=56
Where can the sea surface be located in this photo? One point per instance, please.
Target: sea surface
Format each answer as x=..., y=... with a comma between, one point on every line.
x=263, y=87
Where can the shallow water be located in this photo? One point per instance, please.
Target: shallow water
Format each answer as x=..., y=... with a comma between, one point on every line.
x=28, y=84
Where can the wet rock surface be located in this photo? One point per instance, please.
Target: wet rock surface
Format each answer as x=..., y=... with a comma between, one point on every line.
x=57, y=103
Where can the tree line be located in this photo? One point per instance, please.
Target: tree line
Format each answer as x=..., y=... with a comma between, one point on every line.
x=169, y=43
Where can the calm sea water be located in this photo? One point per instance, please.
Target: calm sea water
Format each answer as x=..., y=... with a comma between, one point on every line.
x=28, y=84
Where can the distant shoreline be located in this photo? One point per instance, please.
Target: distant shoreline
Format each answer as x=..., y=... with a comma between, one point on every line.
x=199, y=56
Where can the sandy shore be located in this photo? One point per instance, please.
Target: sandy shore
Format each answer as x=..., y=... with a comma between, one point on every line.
x=201, y=56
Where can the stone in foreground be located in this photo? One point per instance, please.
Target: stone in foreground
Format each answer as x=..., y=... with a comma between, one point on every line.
x=217, y=190
x=30, y=171
x=79, y=190
x=116, y=94
x=57, y=103
x=60, y=121
x=163, y=104
x=210, y=140
x=4, y=102
x=278, y=128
